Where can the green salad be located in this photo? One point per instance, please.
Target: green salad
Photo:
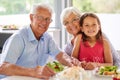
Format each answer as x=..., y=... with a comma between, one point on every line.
x=56, y=66
x=104, y=69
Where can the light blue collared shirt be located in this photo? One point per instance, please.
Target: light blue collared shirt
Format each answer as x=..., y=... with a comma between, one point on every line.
x=23, y=49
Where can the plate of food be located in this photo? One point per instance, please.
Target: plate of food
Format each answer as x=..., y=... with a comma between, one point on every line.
x=67, y=73
x=106, y=71
x=71, y=73
x=9, y=27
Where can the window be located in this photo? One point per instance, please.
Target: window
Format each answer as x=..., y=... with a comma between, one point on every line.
x=109, y=14
x=16, y=11
x=98, y=6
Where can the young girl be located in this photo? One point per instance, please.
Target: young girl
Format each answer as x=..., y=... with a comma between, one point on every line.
x=92, y=49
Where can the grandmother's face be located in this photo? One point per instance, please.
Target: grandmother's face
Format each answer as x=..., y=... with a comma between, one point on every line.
x=71, y=24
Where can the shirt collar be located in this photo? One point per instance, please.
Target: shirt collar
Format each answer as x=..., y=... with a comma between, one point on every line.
x=31, y=35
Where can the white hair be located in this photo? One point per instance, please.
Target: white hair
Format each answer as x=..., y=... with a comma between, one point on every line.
x=41, y=5
x=67, y=11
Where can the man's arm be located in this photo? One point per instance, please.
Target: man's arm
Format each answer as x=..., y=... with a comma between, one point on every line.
x=66, y=60
x=12, y=69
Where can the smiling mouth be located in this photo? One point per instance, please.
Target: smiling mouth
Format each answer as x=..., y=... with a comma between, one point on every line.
x=91, y=31
x=42, y=27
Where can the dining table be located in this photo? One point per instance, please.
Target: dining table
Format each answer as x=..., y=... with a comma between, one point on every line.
x=19, y=78
x=90, y=73
x=95, y=76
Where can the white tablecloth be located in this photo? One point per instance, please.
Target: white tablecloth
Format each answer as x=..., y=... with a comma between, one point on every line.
x=20, y=78
x=94, y=76
x=30, y=78
x=91, y=75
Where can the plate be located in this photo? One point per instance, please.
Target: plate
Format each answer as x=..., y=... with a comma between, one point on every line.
x=9, y=28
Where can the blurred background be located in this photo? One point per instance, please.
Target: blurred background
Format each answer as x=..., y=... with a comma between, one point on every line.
x=16, y=12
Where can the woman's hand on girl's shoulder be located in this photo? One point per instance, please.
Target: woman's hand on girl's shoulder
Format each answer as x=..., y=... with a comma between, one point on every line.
x=79, y=36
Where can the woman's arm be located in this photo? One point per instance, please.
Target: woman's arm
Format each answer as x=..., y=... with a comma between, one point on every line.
x=68, y=48
x=76, y=47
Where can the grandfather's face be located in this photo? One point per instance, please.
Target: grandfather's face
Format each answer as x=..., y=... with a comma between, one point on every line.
x=71, y=24
x=40, y=21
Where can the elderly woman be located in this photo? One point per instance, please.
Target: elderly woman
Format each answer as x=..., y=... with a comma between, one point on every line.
x=70, y=19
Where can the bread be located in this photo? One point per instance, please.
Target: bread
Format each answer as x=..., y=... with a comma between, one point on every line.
x=109, y=73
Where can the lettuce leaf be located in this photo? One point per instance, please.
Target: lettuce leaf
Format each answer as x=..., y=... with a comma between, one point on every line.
x=56, y=66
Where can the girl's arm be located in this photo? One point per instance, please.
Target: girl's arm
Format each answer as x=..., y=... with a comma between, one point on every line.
x=116, y=57
x=107, y=53
x=76, y=47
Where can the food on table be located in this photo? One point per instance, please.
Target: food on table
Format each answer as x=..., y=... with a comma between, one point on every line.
x=10, y=27
x=56, y=66
x=73, y=73
x=107, y=70
x=116, y=77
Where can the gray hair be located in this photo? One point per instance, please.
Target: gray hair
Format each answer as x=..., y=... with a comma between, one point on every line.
x=41, y=5
x=67, y=11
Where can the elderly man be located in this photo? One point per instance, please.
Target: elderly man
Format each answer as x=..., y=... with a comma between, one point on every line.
x=31, y=46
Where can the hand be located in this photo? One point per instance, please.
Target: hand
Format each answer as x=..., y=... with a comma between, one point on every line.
x=83, y=64
x=90, y=66
x=64, y=59
x=75, y=62
x=44, y=72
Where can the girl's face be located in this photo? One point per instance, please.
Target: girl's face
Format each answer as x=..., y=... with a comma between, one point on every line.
x=90, y=26
x=71, y=24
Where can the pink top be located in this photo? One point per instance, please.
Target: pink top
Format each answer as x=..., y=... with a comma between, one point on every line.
x=91, y=54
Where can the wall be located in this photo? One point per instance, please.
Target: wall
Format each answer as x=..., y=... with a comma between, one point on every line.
x=111, y=27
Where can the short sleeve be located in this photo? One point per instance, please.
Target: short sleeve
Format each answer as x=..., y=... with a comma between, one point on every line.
x=11, y=51
x=68, y=48
x=53, y=48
